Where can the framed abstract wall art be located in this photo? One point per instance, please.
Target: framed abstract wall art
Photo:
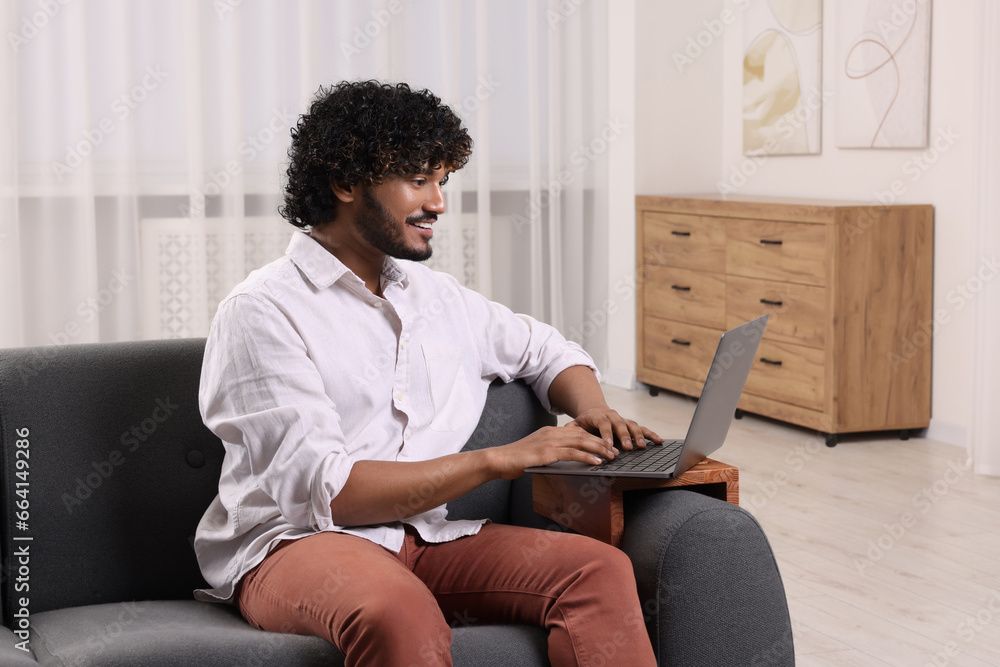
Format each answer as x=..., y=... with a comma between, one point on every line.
x=782, y=77
x=883, y=73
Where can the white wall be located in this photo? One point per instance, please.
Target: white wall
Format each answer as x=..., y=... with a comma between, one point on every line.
x=677, y=145
x=689, y=128
x=622, y=75
x=678, y=108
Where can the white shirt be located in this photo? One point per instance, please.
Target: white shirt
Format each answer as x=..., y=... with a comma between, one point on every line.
x=306, y=371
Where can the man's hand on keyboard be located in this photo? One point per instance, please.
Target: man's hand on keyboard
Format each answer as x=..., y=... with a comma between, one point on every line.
x=608, y=424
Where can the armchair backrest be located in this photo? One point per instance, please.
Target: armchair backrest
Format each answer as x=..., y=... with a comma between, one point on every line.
x=512, y=412
x=107, y=469
x=119, y=469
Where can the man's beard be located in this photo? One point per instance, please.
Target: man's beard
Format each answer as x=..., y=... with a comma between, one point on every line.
x=380, y=229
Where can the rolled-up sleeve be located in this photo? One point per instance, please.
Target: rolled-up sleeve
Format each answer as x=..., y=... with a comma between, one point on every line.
x=514, y=346
x=261, y=393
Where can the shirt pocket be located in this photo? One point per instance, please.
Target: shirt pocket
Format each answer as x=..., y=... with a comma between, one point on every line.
x=450, y=393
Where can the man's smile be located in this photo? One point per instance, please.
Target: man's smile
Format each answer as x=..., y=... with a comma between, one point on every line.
x=424, y=225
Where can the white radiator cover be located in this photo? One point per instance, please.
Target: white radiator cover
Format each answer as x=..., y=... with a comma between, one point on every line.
x=191, y=264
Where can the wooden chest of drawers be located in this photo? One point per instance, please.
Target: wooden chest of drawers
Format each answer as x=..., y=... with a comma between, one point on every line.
x=848, y=287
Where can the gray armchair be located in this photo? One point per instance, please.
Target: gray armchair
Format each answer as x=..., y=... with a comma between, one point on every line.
x=98, y=563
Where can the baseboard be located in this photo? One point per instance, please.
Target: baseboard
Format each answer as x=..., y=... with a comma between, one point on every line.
x=617, y=377
x=948, y=432
x=982, y=469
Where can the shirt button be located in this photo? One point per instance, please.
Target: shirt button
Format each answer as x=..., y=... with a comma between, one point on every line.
x=408, y=434
x=402, y=344
x=400, y=396
x=377, y=304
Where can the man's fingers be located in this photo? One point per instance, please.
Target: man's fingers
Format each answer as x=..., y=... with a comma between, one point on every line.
x=640, y=436
x=607, y=432
x=626, y=431
x=631, y=434
x=594, y=445
x=651, y=435
x=638, y=433
x=582, y=457
x=599, y=425
x=609, y=425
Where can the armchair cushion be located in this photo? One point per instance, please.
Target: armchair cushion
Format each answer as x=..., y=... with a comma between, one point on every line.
x=10, y=655
x=181, y=633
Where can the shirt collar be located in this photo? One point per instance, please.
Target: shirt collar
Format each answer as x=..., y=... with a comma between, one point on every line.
x=323, y=269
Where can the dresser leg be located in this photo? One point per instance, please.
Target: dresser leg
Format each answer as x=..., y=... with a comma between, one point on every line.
x=831, y=439
x=739, y=414
x=654, y=391
x=904, y=434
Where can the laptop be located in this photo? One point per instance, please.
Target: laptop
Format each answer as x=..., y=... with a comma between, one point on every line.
x=712, y=417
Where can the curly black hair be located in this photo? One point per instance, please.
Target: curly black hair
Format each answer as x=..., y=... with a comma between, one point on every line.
x=359, y=133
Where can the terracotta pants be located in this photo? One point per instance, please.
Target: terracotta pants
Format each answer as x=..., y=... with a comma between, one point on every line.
x=381, y=608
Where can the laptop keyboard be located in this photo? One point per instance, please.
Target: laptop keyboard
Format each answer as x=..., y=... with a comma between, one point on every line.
x=654, y=458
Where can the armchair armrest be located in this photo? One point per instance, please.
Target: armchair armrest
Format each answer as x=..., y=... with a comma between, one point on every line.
x=10, y=654
x=708, y=581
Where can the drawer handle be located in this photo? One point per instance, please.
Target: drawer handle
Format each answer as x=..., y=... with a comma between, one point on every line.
x=768, y=302
x=770, y=242
x=771, y=362
x=677, y=233
x=680, y=288
x=678, y=341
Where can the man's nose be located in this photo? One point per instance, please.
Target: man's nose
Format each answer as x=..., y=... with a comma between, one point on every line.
x=435, y=203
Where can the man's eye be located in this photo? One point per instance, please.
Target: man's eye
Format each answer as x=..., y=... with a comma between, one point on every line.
x=445, y=180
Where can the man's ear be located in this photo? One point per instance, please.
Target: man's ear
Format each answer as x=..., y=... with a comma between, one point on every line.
x=343, y=191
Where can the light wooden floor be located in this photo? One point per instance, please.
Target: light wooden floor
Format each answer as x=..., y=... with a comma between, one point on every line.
x=889, y=550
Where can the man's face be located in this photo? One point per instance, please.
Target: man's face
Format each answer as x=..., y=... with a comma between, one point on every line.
x=395, y=216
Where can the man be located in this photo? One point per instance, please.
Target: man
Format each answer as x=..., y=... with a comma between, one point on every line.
x=344, y=379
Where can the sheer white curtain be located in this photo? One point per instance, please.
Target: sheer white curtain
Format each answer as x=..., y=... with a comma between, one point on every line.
x=985, y=441
x=142, y=146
